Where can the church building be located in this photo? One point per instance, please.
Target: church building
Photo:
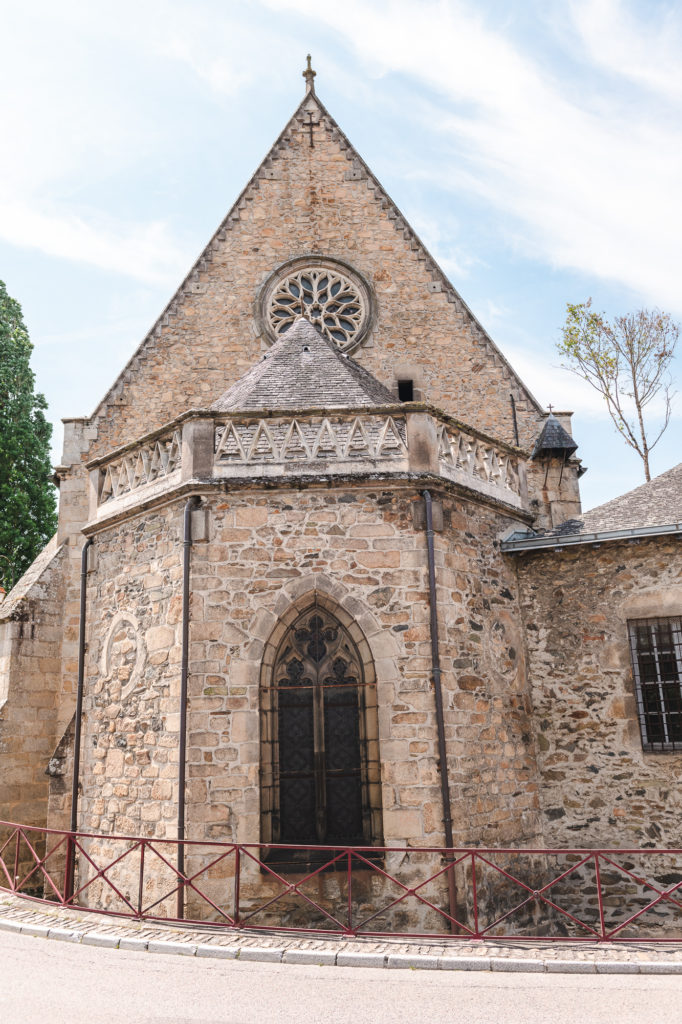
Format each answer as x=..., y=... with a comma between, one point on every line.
x=322, y=572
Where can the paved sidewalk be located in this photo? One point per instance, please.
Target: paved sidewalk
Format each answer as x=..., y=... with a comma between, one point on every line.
x=28, y=918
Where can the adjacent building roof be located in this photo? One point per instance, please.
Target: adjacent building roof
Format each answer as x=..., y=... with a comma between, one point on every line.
x=653, y=509
x=303, y=370
x=657, y=503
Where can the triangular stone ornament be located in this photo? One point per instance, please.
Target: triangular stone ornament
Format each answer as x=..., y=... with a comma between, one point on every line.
x=480, y=467
x=494, y=467
x=139, y=475
x=146, y=459
x=390, y=442
x=326, y=443
x=357, y=442
x=230, y=448
x=163, y=457
x=121, y=481
x=129, y=466
x=445, y=447
x=174, y=451
x=294, y=445
x=154, y=463
x=462, y=454
x=107, y=488
x=263, y=447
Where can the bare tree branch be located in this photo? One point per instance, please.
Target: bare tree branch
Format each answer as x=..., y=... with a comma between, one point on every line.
x=628, y=362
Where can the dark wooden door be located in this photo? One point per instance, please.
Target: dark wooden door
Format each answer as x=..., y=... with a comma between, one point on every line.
x=319, y=687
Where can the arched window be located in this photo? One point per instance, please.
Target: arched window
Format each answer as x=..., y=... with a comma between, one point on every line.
x=320, y=771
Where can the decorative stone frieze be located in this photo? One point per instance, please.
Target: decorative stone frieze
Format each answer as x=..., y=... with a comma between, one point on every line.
x=318, y=439
x=467, y=459
x=140, y=466
x=354, y=443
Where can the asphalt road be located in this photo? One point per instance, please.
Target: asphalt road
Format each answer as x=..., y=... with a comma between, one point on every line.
x=58, y=983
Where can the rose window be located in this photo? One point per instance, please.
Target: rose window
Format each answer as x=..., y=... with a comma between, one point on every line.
x=335, y=302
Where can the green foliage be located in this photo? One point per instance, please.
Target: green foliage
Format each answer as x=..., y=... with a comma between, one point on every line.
x=627, y=361
x=27, y=498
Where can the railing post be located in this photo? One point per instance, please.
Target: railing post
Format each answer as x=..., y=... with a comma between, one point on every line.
x=15, y=874
x=475, y=892
x=237, y=869
x=140, y=885
x=600, y=898
x=69, y=868
x=349, y=888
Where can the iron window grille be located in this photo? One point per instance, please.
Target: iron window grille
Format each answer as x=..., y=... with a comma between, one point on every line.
x=656, y=650
x=320, y=769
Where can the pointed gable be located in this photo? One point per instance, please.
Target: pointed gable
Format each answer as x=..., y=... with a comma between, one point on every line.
x=303, y=370
x=322, y=201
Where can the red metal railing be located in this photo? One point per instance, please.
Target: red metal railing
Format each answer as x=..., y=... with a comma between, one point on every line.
x=515, y=894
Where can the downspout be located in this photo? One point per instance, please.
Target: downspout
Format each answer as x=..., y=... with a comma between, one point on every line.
x=438, y=694
x=516, y=425
x=73, y=826
x=190, y=505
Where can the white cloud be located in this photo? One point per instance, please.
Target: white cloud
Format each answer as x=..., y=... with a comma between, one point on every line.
x=145, y=252
x=645, y=50
x=590, y=179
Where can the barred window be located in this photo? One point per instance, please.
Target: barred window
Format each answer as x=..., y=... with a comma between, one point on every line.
x=320, y=780
x=656, y=649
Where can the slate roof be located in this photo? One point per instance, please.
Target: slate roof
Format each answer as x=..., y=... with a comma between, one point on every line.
x=657, y=503
x=31, y=577
x=553, y=440
x=303, y=370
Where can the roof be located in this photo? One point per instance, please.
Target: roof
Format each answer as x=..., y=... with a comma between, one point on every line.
x=554, y=440
x=656, y=503
x=303, y=370
x=22, y=588
x=653, y=509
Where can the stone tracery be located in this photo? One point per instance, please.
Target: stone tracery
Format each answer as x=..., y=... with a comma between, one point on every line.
x=333, y=298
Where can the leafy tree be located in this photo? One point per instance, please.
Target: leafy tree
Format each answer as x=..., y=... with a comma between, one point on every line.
x=27, y=498
x=627, y=360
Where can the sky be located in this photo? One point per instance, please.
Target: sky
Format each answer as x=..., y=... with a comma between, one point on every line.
x=534, y=145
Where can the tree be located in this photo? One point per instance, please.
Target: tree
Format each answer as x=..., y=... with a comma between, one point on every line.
x=628, y=362
x=27, y=497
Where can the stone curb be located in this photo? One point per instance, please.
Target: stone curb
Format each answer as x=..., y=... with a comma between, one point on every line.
x=341, y=958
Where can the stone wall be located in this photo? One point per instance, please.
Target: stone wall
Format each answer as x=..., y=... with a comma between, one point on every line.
x=598, y=787
x=131, y=699
x=31, y=680
x=355, y=549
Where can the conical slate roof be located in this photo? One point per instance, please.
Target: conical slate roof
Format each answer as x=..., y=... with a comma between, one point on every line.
x=554, y=440
x=303, y=370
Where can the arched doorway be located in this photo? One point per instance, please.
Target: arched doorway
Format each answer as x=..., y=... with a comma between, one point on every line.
x=320, y=765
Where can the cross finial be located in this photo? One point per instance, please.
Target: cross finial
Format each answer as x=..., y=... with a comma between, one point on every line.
x=309, y=76
x=551, y=410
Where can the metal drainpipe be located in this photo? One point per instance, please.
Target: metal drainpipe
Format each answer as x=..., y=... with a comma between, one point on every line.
x=516, y=424
x=190, y=505
x=438, y=694
x=70, y=866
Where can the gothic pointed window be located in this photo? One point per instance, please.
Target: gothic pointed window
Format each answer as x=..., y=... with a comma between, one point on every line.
x=321, y=772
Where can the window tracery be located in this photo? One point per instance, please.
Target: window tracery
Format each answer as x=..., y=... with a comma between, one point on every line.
x=320, y=770
x=331, y=295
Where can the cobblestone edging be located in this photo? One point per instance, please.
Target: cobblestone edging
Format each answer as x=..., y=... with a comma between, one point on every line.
x=268, y=947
